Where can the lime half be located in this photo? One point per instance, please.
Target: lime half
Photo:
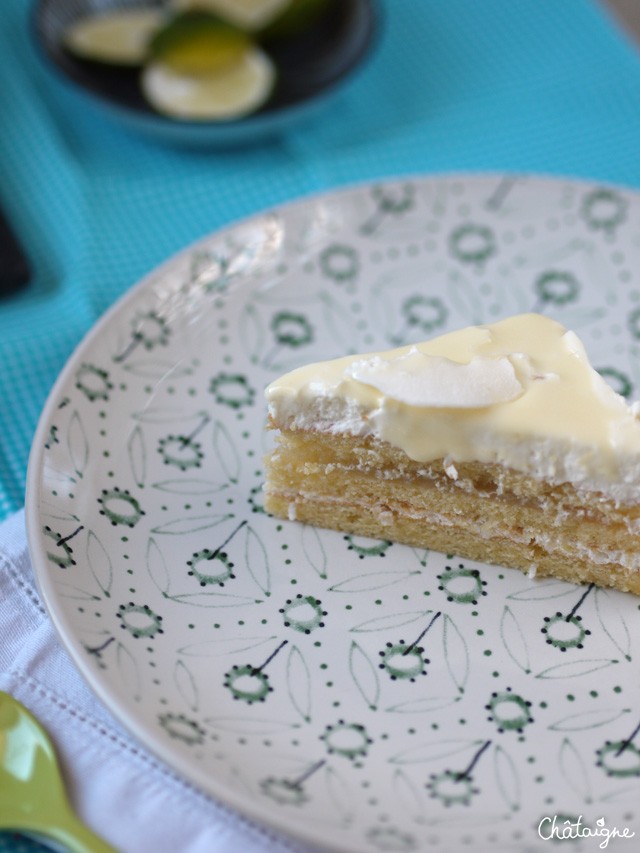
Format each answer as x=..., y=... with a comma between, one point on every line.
x=198, y=43
x=232, y=92
x=250, y=15
x=120, y=38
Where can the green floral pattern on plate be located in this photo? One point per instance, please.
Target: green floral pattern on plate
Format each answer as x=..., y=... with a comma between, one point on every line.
x=354, y=693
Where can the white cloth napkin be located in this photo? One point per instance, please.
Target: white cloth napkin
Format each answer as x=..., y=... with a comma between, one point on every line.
x=120, y=790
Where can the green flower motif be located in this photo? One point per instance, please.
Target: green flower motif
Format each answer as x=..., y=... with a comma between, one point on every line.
x=509, y=711
x=291, y=330
x=214, y=557
x=619, y=759
x=564, y=632
x=462, y=585
x=390, y=838
x=120, y=507
x=150, y=330
x=181, y=451
x=451, y=788
x=402, y=662
x=472, y=244
x=283, y=792
x=63, y=557
x=377, y=549
x=604, y=209
x=139, y=620
x=426, y=313
x=618, y=380
x=557, y=288
x=247, y=683
x=350, y=740
x=303, y=613
x=232, y=390
x=341, y=263
x=93, y=382
x=179, y=727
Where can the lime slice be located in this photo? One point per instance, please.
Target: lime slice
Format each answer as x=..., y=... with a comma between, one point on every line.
x=250, y=15
x=232, y=92
x=121, y=37
x=198, y=43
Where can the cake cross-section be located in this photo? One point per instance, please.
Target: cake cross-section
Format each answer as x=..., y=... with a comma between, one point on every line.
x=498, y=443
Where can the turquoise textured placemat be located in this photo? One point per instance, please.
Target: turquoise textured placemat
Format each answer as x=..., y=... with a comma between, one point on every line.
x=458, y=86
x=548, y=87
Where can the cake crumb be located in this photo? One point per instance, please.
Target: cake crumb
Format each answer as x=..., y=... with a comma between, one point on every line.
x=533, y=568
x=450, y=469
x=291, y=512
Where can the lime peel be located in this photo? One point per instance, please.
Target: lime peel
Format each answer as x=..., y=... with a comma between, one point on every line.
x=120, y=37
x=229, y=93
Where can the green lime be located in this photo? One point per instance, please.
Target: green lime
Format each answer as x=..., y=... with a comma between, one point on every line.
x=249, y=15
x=230, y=92
x=121, y=37
x=198, y=43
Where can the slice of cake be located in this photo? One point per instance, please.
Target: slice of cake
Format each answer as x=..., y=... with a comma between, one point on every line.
x=498, y=443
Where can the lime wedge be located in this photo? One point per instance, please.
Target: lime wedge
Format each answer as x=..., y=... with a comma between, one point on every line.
x=249, y=15
x=198, y=43
x=120, y=38
x=234, y=91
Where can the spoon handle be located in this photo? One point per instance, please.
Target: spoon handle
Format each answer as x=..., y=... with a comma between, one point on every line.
x=76, y=837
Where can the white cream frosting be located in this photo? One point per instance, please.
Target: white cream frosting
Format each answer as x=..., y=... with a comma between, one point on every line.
x=520, y=392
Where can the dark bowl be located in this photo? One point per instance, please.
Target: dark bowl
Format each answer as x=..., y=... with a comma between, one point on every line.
x=311, y=67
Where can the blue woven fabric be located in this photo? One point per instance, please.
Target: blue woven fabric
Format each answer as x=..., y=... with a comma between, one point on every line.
x=551, y=87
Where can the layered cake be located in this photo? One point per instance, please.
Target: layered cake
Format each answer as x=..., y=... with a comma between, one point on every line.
x=497, y=443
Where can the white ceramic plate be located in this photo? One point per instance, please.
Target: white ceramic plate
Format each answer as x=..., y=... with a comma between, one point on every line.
x=263, y=660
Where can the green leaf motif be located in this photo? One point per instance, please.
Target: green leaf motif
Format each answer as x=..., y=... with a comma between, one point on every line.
x=507, y=778
x=225, y=646
x=212, y=599
x=226, y=453
x=189, y=487
x=190, y=524
x=575, y=668
x=186, y=684
x=257, y=561
x=588, y=720
x=365, y=675
x=339, y=323
x=299, y=683
x=424, y=705
x=456, y=654
x=129, y=672
x=543, y=590
x=514, y=640
x=251, y=725
x=339, y=794
x=371, y=581
x=157, y=567
x=137, y=456
x=434, y=751
x=68, y=590
x=390, y=622
x=77, y=444
x=574, y=770
x=152, y=369
x=408, y=795
x=165, y=415
x=314, y=550
x=612, y=621
x=99, y=563
x=252, y=331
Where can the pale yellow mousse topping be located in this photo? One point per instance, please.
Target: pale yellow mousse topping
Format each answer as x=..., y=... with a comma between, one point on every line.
x=520, y=392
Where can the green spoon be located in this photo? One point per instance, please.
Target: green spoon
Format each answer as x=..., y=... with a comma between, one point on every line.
x=32, y=794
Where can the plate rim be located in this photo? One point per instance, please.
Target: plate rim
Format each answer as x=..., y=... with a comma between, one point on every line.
x=259, y=817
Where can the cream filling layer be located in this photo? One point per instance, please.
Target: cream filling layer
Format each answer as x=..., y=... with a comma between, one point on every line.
x=520, y=393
